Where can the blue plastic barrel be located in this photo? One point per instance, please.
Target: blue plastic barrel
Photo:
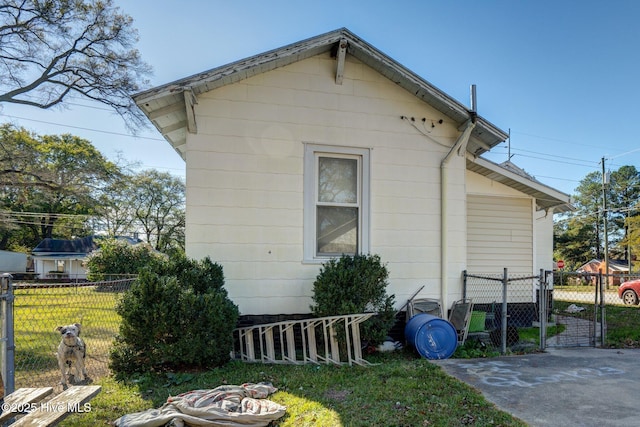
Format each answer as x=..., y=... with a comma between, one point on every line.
x=433, y=337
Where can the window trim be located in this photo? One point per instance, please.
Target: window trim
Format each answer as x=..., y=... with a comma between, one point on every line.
x=311, y=152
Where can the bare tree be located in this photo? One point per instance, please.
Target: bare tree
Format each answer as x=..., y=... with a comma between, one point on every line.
x=50, y=49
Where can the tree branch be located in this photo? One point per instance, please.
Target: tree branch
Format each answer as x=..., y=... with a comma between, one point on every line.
x=47, y=51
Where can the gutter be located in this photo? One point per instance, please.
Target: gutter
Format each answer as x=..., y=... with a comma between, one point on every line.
x=460, y=147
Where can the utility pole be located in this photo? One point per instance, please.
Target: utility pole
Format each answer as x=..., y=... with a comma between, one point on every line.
x=604, y=216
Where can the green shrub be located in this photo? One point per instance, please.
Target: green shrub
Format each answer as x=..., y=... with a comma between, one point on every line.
x=116, y=259
x=356, y=284
x=176, y=316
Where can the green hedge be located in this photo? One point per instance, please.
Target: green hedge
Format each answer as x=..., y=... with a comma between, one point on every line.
x=173, y=317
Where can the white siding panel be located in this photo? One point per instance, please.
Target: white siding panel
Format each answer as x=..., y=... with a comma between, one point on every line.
x=499, y=235
x=237, y=180
x=245, y=180
x=544, y=240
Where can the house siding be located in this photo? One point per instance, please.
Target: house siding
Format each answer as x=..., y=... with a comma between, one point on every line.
x=499, y=235
x=541, y=225
x=543, y=228
x=245, y=181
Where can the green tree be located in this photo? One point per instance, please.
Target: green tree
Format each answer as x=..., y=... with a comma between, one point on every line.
x=117, y=258
x=51, y=49
x=578, y=236
x=574, y=242
x=633, y=237
x=158, y=207
x=49, y=184
x=114, y=212
x=624, y=194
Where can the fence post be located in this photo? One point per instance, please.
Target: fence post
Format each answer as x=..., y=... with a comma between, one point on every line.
x=464, y=284
x=8, y=345
x=599, y=291
x=603, y=317
x=505, y=282
x=542, y=310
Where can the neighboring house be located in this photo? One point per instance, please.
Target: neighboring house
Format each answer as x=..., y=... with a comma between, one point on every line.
x=328, y=146
x=618, y=270
x=65, y=259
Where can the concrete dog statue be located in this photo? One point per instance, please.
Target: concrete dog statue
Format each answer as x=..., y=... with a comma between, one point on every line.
x=71, y=353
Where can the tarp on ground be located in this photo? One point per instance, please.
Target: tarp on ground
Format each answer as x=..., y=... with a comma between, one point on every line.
x=226, y=405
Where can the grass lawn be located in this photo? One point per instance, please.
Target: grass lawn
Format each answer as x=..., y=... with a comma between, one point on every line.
x=623, y=326
x=400, y=390
x=38, y=311
x=623, y=322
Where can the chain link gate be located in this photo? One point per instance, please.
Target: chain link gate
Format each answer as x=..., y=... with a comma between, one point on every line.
x=510, y=305
x=578, y=309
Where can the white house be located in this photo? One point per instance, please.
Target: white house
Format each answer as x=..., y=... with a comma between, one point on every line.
x=66, y=259
x=328, y=146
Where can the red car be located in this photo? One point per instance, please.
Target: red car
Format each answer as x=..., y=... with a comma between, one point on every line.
x=629, y=291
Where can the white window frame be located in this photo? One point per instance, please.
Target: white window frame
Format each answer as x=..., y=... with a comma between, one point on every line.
x=311, y=153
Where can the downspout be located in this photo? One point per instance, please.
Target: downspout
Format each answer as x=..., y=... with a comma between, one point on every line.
x=460, y=147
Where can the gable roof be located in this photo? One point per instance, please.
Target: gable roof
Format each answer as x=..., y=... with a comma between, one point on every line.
x=618, y=265
x=170, y=106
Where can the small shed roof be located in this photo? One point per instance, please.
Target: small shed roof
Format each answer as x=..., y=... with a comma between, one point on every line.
x=512, y=176
x=170, y=106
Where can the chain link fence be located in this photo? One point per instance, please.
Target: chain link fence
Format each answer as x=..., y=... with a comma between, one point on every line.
x=39, y=308
x=553, y=309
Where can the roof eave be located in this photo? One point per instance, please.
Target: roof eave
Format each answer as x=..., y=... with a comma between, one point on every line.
x=166, y=108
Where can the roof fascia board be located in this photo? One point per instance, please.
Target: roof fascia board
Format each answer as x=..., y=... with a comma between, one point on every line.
x=394, y=70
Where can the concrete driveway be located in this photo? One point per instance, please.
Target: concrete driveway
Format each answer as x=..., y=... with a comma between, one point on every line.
x=562, y=387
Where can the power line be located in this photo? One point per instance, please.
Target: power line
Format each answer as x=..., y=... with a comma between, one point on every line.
x=33, y=218
x=39, y=214
x=559, y=179
x=587, y=162
x=553, y=160
x=83, y=128
x=624, y=154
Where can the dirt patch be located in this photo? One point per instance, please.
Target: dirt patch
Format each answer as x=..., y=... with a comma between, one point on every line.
x=338, y=395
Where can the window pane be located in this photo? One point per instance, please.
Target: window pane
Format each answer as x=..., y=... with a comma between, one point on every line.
x=337, y=180
x=337, y=230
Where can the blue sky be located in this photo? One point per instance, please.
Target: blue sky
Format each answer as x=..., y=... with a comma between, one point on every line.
x=562, y=76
